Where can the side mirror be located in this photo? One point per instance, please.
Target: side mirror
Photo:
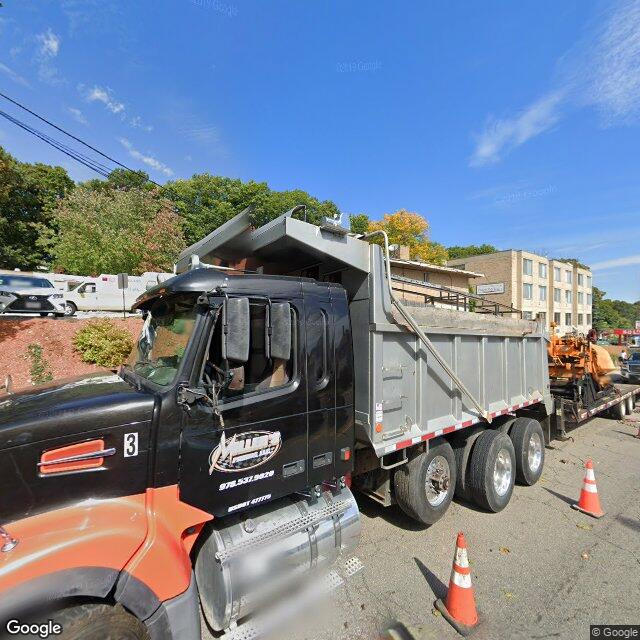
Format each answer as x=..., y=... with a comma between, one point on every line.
x=235, y=330
x=279, y=338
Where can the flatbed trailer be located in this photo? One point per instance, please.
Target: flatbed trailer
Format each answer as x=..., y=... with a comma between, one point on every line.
x=569, y=414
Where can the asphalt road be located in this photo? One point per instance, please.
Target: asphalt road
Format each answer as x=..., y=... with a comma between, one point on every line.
x=539, y=568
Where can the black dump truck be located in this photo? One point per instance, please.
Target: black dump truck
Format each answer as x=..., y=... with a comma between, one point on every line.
x=216, y=468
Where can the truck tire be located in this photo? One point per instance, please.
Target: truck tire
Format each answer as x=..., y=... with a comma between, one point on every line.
x=492, y=473
x=462, y=447
x=99, y=622
x=70, y=309
x=424, y=486
x=629, y=405
x=528, y=442
x=619, y=410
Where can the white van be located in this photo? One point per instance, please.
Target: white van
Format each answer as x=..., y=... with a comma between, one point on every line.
x=102, y=293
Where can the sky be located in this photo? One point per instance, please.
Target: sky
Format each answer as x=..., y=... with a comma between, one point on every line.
x=514, y=124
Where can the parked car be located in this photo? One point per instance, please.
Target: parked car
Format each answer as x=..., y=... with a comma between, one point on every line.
x=630, y=368
x=28, y=294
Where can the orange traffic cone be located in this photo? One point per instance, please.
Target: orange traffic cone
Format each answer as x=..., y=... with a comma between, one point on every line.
x=589, y=502
x=459, y=607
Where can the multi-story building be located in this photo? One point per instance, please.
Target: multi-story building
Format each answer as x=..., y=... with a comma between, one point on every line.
x=551, y=290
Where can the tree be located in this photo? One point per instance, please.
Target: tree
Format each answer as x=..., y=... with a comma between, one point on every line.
x=28, y=197
x=410, y=229
x=470, y=250
x=121, y=179
x=359, y=223
x=130, y=231
x=605, y=313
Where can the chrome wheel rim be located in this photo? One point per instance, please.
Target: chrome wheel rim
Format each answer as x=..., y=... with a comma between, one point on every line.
x=437, y=481
x=68, y=310
x=502, y=472
x=534, y=454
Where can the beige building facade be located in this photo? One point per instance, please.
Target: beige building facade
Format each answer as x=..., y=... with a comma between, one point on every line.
x=551, y=290
x=412, y=279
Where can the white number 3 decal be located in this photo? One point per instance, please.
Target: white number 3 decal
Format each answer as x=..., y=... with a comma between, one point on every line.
x=130, y=445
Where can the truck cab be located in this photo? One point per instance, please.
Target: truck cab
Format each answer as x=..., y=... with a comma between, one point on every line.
x=226, y=442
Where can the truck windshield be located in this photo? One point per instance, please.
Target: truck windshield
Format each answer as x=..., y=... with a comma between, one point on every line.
x=164, y=338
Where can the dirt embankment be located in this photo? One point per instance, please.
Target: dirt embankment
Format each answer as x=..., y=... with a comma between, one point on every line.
x=56, y=339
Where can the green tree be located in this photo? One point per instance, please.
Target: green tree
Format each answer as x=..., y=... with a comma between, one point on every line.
x=206, y=202
x=28, y=197
x=115, y=231
x=470, y=250
x=359, y=223
x=605, y=313
x=121, y=179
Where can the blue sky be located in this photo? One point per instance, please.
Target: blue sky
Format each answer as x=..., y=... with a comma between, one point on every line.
x=516, y=124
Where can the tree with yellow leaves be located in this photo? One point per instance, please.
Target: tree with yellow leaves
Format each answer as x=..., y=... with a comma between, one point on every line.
x=411, y=229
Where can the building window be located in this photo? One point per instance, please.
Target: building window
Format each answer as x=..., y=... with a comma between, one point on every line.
x=580, y=298
x=556, y=318
x=527, y=315
x=556, y=274
x=556, y=295
x=542, y=270
x=542, y=316
x=568, y=276
x=589, y=319
x=589, y=298
x=527, y=291
x=542, y=293
x=589, y=282
x=581, y=280
x=567, y=319
x=580, y=317
x=527, y=267
x=567, y=296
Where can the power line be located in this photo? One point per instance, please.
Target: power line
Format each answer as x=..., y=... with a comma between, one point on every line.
x=76, y=138
x=88, y=162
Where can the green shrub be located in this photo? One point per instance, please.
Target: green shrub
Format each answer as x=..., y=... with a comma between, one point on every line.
x=40, y=371
x=101, y=342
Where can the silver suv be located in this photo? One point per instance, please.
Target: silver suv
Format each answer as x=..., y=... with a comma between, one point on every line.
x=28, y=294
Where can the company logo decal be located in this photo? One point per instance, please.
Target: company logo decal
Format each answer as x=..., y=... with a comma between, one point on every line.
x=244, y=451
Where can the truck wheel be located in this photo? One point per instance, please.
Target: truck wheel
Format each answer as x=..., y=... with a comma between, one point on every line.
x=424, y=486
x=70, y=309
x=629, y=405
x=492, y=473
x=619, y=410
x=528, y=442
x=99, y=622
x=462, y=446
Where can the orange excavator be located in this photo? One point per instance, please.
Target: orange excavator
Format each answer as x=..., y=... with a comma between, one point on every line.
x=579, y=370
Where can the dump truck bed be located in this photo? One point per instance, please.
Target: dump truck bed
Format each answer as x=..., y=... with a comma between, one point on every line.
x=489, y=365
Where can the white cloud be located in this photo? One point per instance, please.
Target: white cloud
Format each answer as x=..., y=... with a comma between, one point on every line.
x=105, y=96
x=77, y=115
x=501, y=136
x=150, y=161
x=616, y=262
x=614, y=74
x=602, y=71
x=49, y=44
x=16, y=77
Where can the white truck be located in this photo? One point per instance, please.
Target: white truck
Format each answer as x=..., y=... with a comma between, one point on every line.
x=102, y=293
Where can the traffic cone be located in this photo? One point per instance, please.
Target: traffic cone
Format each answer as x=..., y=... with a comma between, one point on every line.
x=459, y=607
x=589, y=502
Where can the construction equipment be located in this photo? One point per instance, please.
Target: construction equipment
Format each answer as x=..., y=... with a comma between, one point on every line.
x=579, y=370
